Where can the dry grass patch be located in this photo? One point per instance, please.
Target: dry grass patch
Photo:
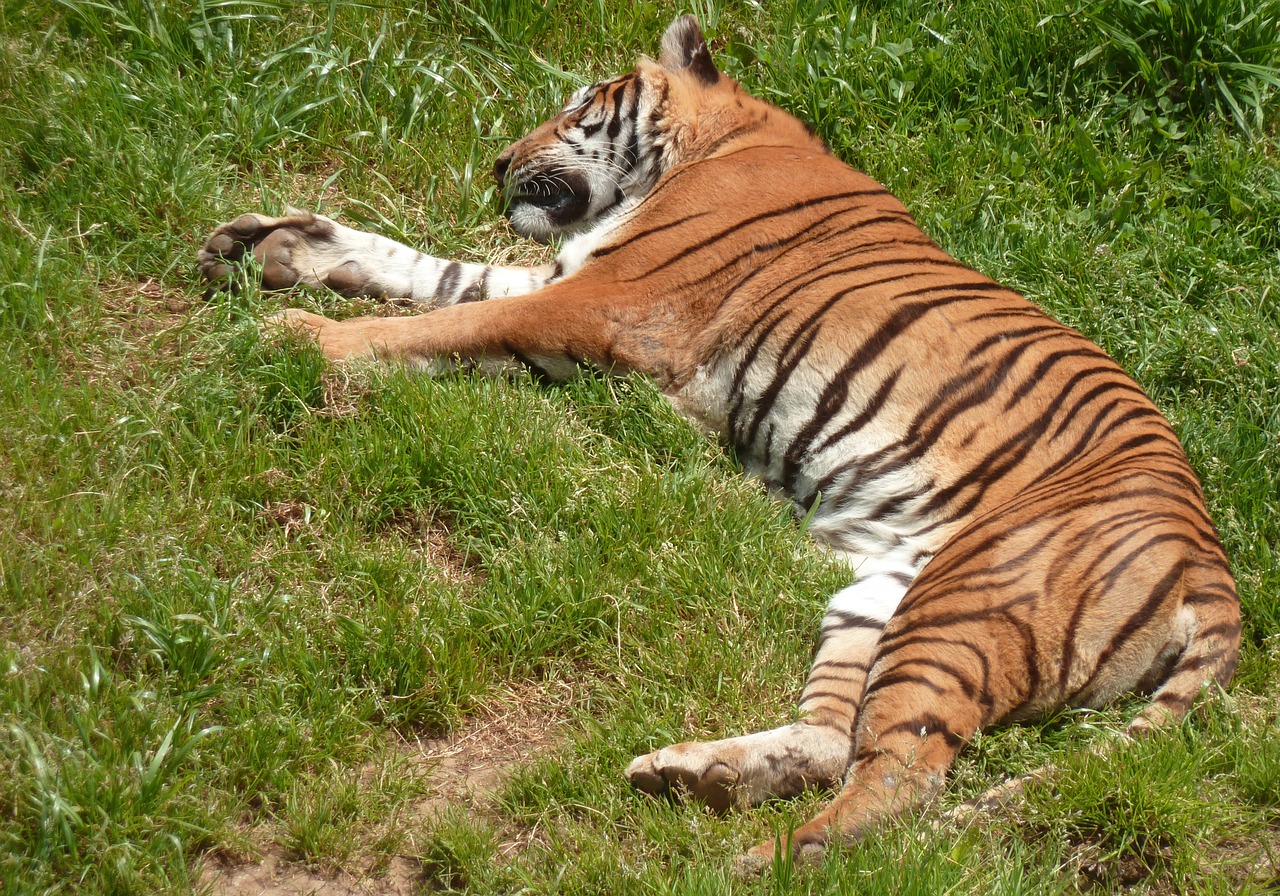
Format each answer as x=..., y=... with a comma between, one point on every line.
x=144, y=307
x=144, y=324
x=143, y=314
x=292, y=517
x=430, y=535
x=346, y=390
x=275, y=875
x=460, y=773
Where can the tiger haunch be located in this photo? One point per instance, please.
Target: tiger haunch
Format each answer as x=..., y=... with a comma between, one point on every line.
x=1025, y=529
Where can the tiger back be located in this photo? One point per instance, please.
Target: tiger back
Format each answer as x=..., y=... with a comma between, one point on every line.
x=1023, y=528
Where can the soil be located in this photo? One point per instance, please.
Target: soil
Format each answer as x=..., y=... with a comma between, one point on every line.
x=463, y=770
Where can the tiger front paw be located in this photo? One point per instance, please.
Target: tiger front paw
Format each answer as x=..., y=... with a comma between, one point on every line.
x=745, y=771
x=296, y=249
x=339, y=340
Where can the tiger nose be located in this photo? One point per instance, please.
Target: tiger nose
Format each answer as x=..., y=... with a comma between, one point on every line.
x=501, y=166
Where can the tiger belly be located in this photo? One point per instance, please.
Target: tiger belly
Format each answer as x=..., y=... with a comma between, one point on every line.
x=875, y=519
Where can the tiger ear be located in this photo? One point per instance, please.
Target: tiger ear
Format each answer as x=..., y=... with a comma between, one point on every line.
x=684, y=48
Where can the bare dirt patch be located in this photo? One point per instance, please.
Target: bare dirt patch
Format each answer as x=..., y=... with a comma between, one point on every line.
x=1255, y=867
x=145, y=322
x=431, y=534
x=273, y=875
x=463, y=771
x=468, y=767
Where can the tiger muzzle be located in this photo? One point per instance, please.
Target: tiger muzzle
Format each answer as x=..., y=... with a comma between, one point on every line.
x=564, y=197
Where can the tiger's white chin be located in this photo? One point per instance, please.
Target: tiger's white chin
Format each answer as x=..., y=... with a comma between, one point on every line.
x=541, y=207
x=533, y=222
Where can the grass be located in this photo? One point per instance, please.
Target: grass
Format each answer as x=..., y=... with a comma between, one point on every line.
x=240, y=588
x=1211, y=55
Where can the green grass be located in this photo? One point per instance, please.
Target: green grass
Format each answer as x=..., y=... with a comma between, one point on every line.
x=239, y=587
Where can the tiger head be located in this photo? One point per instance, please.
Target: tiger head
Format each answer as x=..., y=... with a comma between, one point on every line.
x=614, y=140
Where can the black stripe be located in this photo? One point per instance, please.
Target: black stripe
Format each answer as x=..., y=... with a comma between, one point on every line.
x=812, y=232
x=747, y=127
x=1104, y=584
x=1139, y=618
x=819, y=678
x=632, y=238
x=615, y=119
x=829, y=695
x=840, y=664
x=817, y=721
x=824, y=268
x=1002, y=336
x=939, y=644
x=961, y=678
x=844, y=621
x=1229, y=630
x=448, y=280
x=536, y=370
x=896, y=679
x=1117, y=387
x=931, y=725
x=1173, y=700
x=631, y=161
x=869, y=411
x=836, y=391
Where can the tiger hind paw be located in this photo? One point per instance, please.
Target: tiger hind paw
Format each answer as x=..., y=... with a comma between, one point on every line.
x=691, y=770
x=745, y=771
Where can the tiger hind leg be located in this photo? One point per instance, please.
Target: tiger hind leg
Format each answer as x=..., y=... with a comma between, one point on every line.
x=1197, y=656
x=1024, y=611
x=744, y=771
x=908, y=736
x=1204, y=648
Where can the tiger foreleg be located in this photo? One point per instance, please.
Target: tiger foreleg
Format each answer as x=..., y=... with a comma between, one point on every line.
x=552, y=333
x=304, y=249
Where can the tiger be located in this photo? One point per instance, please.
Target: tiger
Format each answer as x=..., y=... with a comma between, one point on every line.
x=1023, y=529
